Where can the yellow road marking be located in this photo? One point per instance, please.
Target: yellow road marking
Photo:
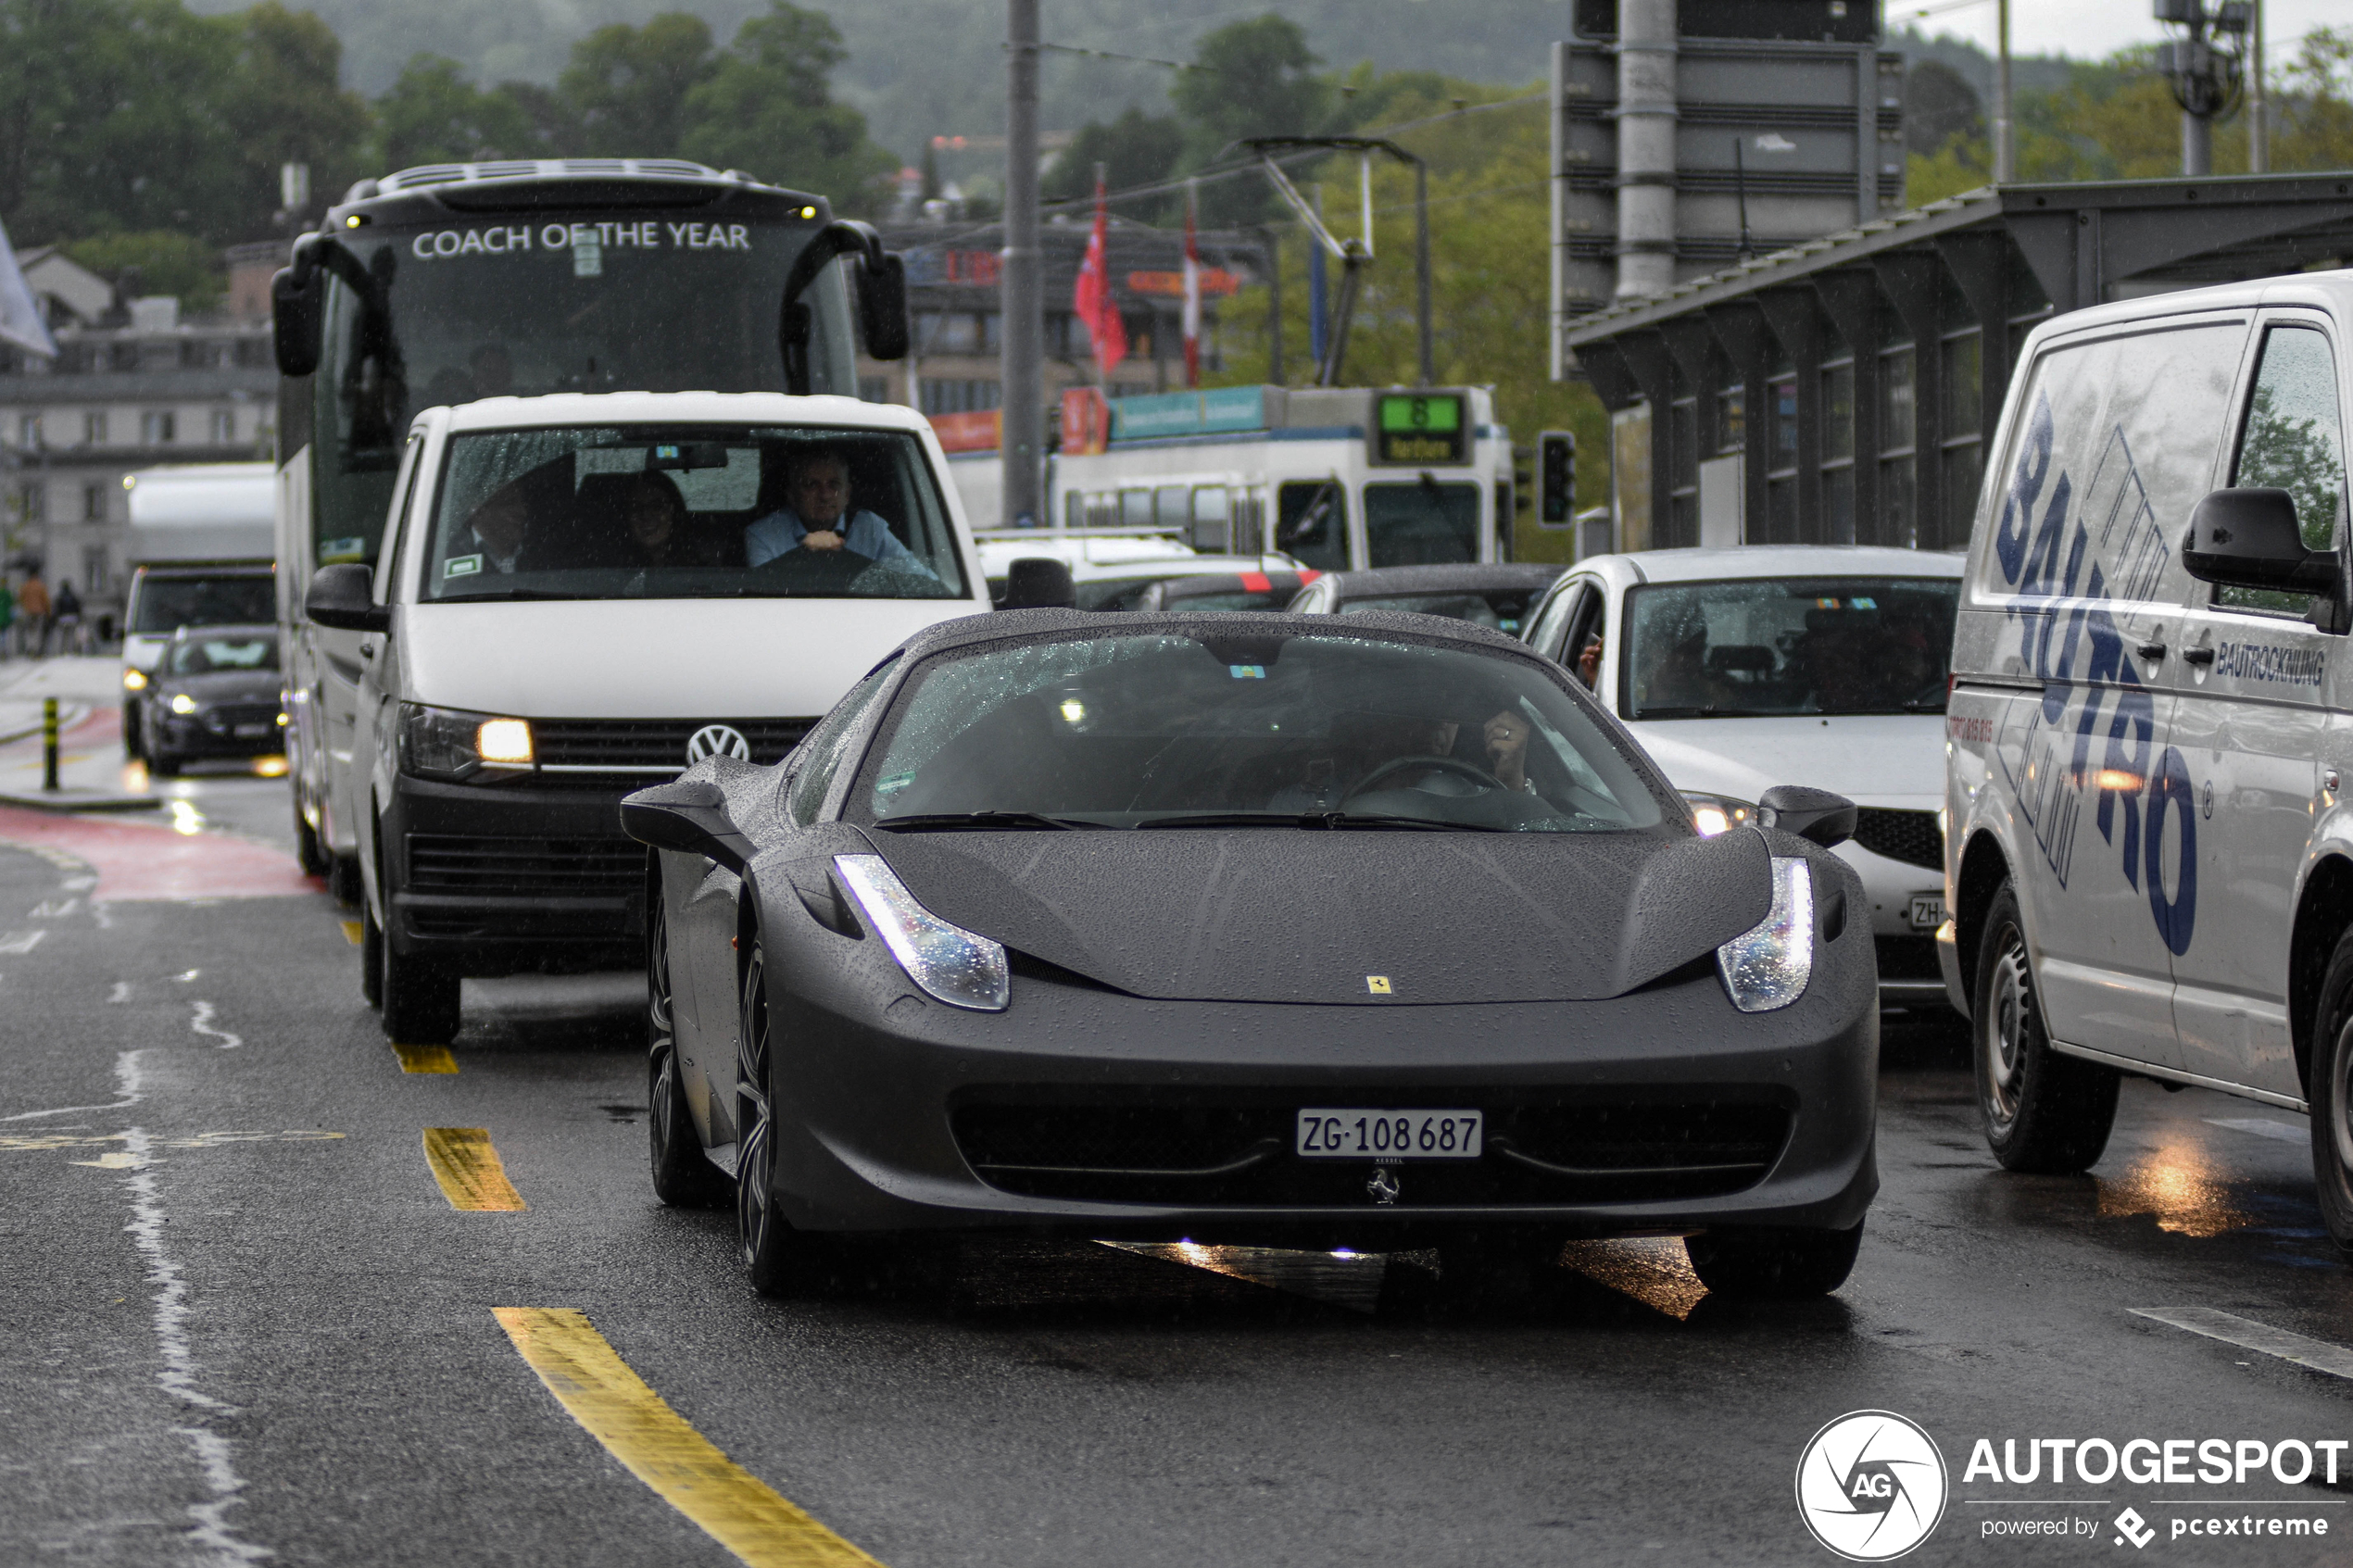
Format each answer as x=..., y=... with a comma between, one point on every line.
x=682, y=1466
x=352, y=934
x=469, y=1170
x=425, y=1059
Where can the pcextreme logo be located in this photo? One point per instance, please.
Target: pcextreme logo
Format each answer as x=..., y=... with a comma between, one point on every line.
x=1871, y=1486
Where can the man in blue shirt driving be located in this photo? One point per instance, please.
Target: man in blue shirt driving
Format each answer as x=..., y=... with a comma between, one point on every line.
x=812, y=518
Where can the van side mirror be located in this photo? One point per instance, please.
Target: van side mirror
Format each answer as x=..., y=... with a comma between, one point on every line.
x=689, y=818
x=343, y=597
x=1039, y=583
x=2248, y=538
x=1815, y=815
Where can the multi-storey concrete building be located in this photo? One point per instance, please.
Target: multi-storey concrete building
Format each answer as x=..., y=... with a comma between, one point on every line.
x=135, y=384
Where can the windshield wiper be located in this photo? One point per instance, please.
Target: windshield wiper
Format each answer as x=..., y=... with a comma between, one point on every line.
x=962, y=821
x=1653, y=711
x=1334, y=822
x=504, y=593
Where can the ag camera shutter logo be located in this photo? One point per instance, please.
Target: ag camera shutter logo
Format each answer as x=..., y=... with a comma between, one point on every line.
x=1871, y=1486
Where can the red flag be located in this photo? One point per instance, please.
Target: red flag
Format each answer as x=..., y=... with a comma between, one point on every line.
x=1192, y=291
x=1092, y=301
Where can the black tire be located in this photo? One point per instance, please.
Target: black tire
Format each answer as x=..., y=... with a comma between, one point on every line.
x=131, y=752
x=307, y=850
x=2328, y=1091
x=371, y=955
x=163, y=765
x=2044, y=1113
x=682, y=1177
x=1770, y=1263
x=779, y=1259
x=343, y=880
x=419, y=998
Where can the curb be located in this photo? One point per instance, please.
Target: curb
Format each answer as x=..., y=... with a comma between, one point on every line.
x=70, y=800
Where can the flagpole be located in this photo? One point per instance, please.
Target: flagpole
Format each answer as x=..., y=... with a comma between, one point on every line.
x=1192, y=287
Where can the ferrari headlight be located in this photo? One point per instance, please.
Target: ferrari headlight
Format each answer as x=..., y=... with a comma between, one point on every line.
x=184, y=705
x=448, y=742
x=1712, y=814
x=960, y=968
x=1767, y=966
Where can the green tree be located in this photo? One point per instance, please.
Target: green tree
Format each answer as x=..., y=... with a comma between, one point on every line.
x=434, y=115
x=156, y=261
x=280, y=103
x=767, y=108
x=629, y=85
x=1254, y=77
x=1135, y=149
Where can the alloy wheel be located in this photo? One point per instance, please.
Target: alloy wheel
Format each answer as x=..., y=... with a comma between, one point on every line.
x=2002, y=1033
x=756, y=1153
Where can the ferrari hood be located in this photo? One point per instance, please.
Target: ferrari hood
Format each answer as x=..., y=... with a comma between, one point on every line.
x=1388, y=919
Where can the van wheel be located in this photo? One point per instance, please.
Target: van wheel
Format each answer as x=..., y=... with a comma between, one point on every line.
x=163, y=765
x=308, y=851
x=2329, y=1090
x=343, y=880
x=419, y=997
x=2043, y=1111
x=131, y=733
x=371, y=955
x=1773, y=1263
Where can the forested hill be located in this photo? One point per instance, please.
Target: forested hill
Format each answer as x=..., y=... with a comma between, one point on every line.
x=924, y=67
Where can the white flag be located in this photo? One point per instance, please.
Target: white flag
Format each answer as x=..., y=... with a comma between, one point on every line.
x=21, y=321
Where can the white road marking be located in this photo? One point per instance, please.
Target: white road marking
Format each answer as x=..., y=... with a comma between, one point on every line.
x=51, y=910
x=126, y=1077
x=177, y=1377
x=184, y=979
x=21, y=941
x=202, y=1024
x=2245, y=1333
x=122, y=992
x=2262, y=1128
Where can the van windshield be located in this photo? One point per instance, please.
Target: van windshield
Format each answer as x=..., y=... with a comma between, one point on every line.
x=1784, y=645
x=689, y=511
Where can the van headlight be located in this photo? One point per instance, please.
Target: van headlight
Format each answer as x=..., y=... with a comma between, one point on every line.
x=448, y=742
x=962, y=968
x=1766, y=966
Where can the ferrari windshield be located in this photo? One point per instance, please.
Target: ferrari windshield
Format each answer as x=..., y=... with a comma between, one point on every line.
x=1236, y=728
x=689, y=511
x=1785, y=645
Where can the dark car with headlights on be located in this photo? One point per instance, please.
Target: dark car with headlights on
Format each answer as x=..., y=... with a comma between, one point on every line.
x=215, y=694
x=1273, y=929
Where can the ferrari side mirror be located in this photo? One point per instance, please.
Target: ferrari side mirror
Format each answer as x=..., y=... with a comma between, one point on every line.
x=1815, y=815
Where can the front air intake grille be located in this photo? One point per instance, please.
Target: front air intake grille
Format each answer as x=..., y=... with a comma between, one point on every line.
x=1239, y=1154
x=1908, y=958
x=227, y=720
x=650, y=747
x=509, y=868
x=1912, y=837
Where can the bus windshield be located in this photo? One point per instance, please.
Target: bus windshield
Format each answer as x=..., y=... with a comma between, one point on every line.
x=689, y=511
x=526, y=303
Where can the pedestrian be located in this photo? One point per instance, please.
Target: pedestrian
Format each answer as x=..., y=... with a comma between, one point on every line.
x=67, y=617
x=32, y=605
x=7, y=618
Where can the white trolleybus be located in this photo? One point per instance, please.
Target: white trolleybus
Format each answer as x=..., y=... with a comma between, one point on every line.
x=1337, y=478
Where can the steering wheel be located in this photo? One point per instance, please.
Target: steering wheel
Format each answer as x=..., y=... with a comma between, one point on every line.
x=818, y=571
x=1470, y=771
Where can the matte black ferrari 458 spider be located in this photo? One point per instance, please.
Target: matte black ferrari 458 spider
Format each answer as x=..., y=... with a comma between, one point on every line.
x=1376, y=935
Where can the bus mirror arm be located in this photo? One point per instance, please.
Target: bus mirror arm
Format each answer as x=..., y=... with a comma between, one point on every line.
x=882, y=298
x=299, y=303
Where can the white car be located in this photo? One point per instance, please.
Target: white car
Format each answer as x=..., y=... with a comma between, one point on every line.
x=1824, y=665
x=1111, y=569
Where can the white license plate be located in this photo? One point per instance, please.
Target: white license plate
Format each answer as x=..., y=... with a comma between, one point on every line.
x=1928, y=911
x=246, y=730
x=1326, y=1133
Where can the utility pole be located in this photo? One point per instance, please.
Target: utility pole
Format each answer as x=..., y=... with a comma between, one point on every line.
x=1646, y=113
x=2258, y=135
x=2005, y=148
x=2203, y=68
x=1022, y=301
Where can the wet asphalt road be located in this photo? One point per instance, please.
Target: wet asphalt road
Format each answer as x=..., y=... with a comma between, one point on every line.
x=245, y=1325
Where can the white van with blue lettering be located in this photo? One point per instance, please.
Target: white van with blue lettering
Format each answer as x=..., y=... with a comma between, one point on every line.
x=2150, y=857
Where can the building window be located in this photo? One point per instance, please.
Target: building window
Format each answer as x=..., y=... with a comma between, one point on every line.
x=873, y=389
x=225, y=427
x=1897, y=407
x=93, y=503
x=97, y=576
x=1731, y=418
x=93, y=429
x=122, y=357
x=158, y=428
x=29, y=431
x=32, y=501
x=1838, y=411
x=946, y=332
x=955, y=396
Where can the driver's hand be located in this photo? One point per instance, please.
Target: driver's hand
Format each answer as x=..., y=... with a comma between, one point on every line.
x=1589, y=662
x=820, y=539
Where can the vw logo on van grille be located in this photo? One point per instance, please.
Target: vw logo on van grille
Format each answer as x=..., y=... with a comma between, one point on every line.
x=717, y=740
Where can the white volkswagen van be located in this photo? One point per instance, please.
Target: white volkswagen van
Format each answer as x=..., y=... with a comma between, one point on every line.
x=2150, y=866
x=1738, y=669
x=578, y=595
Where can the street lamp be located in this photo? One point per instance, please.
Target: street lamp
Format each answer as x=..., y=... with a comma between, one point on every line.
x=2203, y=65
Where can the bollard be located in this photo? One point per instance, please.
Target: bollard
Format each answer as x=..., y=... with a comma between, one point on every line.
x=49, y=744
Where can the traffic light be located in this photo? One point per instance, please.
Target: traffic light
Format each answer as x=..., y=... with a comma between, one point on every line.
x=1523, y=479
x=1556, y=479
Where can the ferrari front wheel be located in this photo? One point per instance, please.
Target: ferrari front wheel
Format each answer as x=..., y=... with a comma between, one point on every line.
x=682, y=1177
